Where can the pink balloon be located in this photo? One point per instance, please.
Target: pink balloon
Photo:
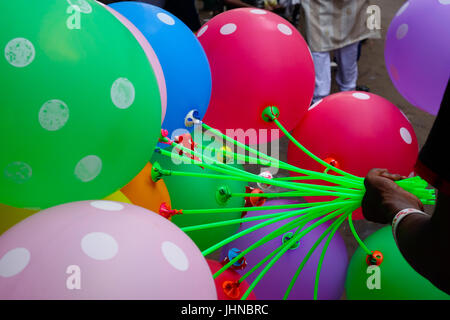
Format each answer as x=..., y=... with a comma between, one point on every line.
x=101, y=250
x=257, y=59
x=358, y=130
x=151, y=56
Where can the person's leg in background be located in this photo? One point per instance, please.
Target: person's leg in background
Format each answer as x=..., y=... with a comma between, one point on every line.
x=323, y=75
x=347, y=72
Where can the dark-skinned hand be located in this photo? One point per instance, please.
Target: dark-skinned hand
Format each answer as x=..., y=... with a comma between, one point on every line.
x=384, y=198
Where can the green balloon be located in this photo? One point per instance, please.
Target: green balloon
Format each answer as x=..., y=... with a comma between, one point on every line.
x=398, y=280
x=80, y=110
x=201, y=193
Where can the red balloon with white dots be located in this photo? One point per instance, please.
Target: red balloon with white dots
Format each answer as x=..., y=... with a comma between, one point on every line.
x=257, y=59
x=355, y=131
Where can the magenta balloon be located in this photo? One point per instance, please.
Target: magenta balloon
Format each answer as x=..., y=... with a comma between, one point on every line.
x=113, y=250
x=151, y=56
x=417, y=52
x=274, y=284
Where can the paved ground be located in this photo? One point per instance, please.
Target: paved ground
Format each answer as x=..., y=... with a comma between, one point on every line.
x=373, y=73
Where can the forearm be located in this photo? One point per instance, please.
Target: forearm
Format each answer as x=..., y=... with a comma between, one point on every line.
x=424, y=242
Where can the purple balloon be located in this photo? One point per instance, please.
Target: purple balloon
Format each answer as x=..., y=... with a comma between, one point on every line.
x=274, y=284
x=417, y=52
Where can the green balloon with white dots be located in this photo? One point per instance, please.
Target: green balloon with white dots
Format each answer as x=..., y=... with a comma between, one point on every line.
x=80, y=109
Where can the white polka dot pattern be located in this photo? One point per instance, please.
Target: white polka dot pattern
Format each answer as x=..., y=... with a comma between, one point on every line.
x=88, y=168
x=14, y=262
x=227, y=29
x=175, y=256
x=19, y=52
x=107, y=205
x=53, y=115
x=122, y=93
x=99, y=246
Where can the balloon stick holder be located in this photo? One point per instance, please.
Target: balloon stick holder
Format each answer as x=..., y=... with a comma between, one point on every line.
x=346, y=189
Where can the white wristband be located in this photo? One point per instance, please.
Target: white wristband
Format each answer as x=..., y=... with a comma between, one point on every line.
x=400, y=216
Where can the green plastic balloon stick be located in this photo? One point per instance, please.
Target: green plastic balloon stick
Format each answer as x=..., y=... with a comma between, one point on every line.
x=234, y=221
x=356, y=236
x=282, y=251
x=256, y=178
x=324, y=250
x=308, y=255
x=262, y=155
x=319, y=209
x=313, y=156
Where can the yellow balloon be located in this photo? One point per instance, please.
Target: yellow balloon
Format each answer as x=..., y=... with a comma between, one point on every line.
x=118, y=196
x=10, y=216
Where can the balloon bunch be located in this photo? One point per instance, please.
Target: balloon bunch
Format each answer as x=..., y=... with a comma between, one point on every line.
x=295, y=223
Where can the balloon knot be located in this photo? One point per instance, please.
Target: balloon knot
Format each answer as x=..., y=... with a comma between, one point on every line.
x=187, y=142
x=223, y=155
x=249, y=202
x=223, y=194
x=157, y=172
x=238, y=265
x=287, y=237
x=270, y=114
x=333, y=162
x=231, y=289
x=163, y=138
x=253, y=201
x=374, y=259
x=192, y=118
x=265, y=174
x=167, y=212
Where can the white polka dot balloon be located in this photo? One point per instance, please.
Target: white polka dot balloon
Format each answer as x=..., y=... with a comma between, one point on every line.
x=258, y=59
x=101, y=250
x=81, y=106
x=358, y=131
x=417, y=52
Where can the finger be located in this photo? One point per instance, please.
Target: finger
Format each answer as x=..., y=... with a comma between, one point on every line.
x=421, y=205
x=376, y=172
x=373, y=174
x=394, y=177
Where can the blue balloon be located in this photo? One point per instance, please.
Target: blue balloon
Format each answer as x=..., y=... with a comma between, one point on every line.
x=182, y=58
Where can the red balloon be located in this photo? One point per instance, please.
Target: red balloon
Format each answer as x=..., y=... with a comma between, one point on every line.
x=228, y=277
x=358, y=131
x=257, y=59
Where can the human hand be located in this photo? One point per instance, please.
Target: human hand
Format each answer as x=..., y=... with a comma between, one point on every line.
x=384, y=198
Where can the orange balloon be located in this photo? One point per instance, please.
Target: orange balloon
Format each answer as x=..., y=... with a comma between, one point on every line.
x=142, y=191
